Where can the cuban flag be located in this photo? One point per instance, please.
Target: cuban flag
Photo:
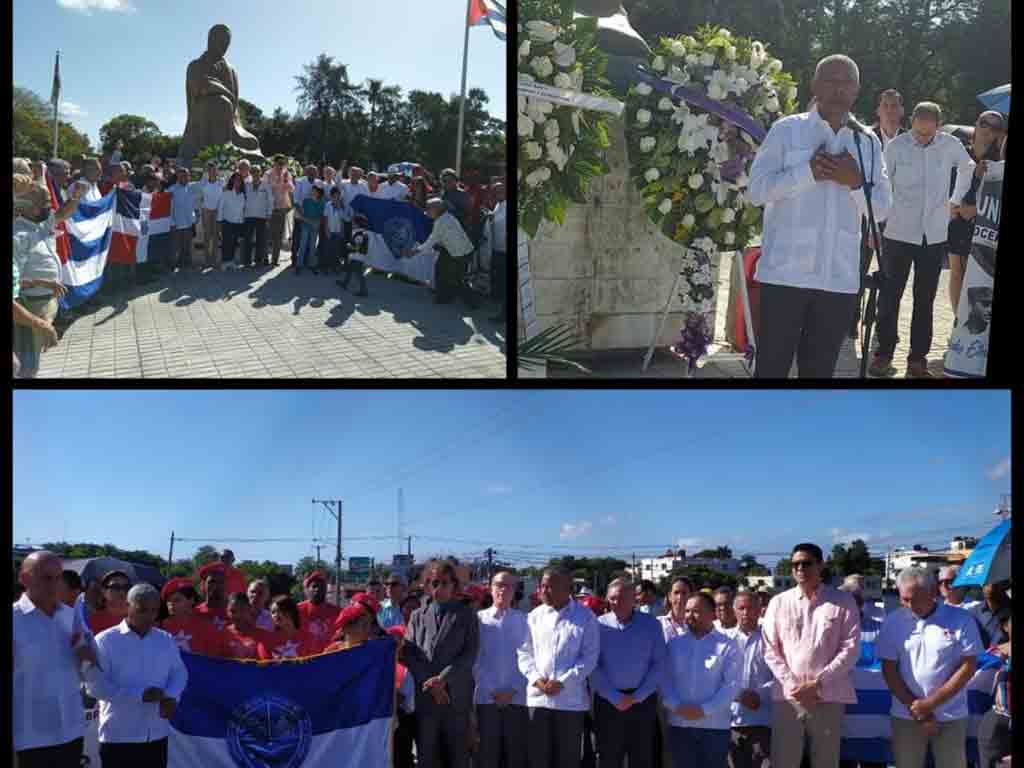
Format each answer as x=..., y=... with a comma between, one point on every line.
x=488, y=12
x=88, y=231
x=334, y=709
x=139, y=220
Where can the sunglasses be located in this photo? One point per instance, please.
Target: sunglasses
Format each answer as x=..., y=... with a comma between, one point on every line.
x=797, y=564
x=440, y=583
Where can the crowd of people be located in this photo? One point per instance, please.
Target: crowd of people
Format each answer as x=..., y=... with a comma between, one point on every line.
x=243, y=220
x=816, y=174
x=707, y=678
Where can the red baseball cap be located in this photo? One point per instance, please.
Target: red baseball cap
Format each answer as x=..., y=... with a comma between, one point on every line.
x=348, y=615
x=173, y=586
x=314, y=575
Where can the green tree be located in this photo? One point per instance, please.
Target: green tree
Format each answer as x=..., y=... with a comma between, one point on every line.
x=139, y=135
x=32, y=123
x=205, y=554
x=784, y=567
x=327, y=97
x=382, y=100
x=701, y=576
x=722, y=553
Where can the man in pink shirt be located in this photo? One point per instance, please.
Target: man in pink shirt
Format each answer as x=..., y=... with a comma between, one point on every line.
x=281, y=187
x=811, y=643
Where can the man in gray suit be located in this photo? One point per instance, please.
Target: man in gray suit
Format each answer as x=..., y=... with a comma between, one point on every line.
x=440, y=649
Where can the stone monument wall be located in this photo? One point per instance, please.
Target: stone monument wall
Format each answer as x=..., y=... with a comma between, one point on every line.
x=608, y=270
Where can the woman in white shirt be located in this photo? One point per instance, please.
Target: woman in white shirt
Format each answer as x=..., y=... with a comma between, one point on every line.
x=231, y=215
x=259, y=204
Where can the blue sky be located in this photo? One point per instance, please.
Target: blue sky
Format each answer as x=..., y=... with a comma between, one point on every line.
x=129, y=56
x=530, y=473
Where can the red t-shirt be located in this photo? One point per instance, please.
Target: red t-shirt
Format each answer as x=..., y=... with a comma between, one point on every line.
x=234, y=580
x=219, y=618
x=318, y=621
x=243, y=645
x=195, y=634
x=298, y=646
x=101, y=620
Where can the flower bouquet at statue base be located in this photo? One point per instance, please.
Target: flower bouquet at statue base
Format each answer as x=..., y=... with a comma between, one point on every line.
x=694, y=120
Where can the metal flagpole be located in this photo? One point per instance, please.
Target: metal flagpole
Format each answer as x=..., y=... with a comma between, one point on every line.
x=462, y=100
x=55, y=97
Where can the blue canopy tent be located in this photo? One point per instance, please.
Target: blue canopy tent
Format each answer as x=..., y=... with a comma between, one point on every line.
x=997, y=98
x=989, y=562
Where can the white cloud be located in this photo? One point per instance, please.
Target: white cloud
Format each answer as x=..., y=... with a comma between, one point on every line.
x=690, y=543
x=499, y=490
x=70, y=109
x=1000, y=470
x=841, y=536
x=609, y=520
x=88, y=6
x=575, y=530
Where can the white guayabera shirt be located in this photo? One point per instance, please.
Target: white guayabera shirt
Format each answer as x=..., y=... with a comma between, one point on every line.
x=564, y=646
x=812, y=228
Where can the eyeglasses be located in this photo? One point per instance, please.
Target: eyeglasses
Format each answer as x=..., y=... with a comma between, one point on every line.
x=991, y=125
x=439, y=583
x=118, y=587
x=797, y=564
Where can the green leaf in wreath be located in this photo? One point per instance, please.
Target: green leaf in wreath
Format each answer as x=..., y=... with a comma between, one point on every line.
x=704, y=203
x=530, y=220
x=750, y=214
x=715, y=219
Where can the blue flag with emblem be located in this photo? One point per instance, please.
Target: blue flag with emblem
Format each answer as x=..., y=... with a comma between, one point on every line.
x=402, y=225
x=328, y=710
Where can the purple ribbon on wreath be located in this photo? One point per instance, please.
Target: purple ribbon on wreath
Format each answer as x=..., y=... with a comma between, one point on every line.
x=694, y=340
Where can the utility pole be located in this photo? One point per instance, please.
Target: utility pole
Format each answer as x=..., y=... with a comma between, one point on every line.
x=170, y=556
x=318, y=557
x=490, y=563
x=334, y=507
x=409, y=550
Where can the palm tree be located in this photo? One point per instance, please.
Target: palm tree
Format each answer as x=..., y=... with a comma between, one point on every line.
x=376, y=93
x=325, y=92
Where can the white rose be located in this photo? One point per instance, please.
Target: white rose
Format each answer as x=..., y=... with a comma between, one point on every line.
x=551, y=130
x=665, y=105
x=525, y=126
x=677, y=75
x=545, y=173
x=533, y=150
x=707, y=59
x=575, y=124
x=647, y=143
x=652, y=174
x=741, y=86
x=775, y=65
x=665, y=205
x=715, y=91
x=544, y=107
x=658, y=64
x=730, y=238
x=534, y=178
x=643, y=116
x=689, y=221
x=542, y=66
x=522, y=103
x=692, y=59
x=541, y=31
x=772, y=104
x=524, y=49
x=562, y=80
x=565, y=55
x=791, y=93
x=730, y=52
x=678, y=49
x=557, y=155
x=695, y=181
x=728, y=215
x=723, y=32
x=643, y=89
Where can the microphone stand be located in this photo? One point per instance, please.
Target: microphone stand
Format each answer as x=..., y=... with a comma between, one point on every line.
x=872, y=282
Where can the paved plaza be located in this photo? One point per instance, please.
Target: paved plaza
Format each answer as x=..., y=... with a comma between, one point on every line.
x=269, y=323
x=723, y=363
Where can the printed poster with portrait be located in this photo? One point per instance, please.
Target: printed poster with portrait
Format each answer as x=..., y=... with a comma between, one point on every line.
x=967, y=356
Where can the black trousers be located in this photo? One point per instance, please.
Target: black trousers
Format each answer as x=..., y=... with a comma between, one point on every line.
x=66, y=755
x=246, y=230
x=442, y=738
x=450, y=278
x=995, y=740
x=230, y=233
x=503, y=736
x=897, y=259
x=556, y=738
x=805, y=322
x=626, y=733
x=405, y=733
x=254, y=229
x=357, y=268
x=499, y=277
x=152, y=754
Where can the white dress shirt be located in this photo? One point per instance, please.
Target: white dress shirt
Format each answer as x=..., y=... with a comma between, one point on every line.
x=259, y=203
x=231, y=207
x=671, y=628
x=303, y=189
x=496, y=668
x=128, y=665
x=449, y=233
x=755, y=675
x=920, y=186
x=812, y=228
x=500, y=243
x=564, y=646
x=703, y=672
x=212, y=191
x=335, y=217
x=928, y=651
x=46, y=703
x=397, y=191
x=349, y=192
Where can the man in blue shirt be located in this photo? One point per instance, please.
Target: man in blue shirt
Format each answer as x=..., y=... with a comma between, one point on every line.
x=626, y=679
x=183, y=205
x=390, y=614
x=750, y=742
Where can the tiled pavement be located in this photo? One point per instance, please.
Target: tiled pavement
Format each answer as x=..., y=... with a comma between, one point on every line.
x=723, y=363
x=270, y=323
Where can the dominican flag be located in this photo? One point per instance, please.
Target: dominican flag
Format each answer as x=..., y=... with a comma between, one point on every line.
x=334, y=709
x=55, y=92
x=488, y=12
x=140, y=220
x=88, y=239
